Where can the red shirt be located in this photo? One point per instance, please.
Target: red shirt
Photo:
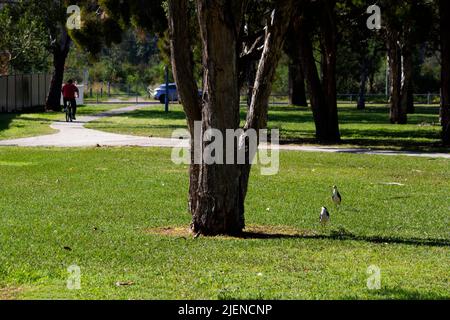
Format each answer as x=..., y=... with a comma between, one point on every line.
x=68, y=91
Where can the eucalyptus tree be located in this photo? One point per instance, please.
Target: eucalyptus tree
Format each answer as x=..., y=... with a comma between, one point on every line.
x=218, y=191
x=406, y=24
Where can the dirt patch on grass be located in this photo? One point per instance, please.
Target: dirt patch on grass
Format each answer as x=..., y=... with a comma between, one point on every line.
x=9, y=293
x=171, y=231
x=250, y=232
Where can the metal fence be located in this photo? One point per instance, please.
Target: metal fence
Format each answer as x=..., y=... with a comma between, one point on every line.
x=105, y=92
x=23, y=92
x=425, y=98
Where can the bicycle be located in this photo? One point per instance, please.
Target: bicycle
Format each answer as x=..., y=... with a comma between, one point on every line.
x=69, y=112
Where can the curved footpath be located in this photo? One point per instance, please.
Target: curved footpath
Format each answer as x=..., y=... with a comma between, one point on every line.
x=74, y=134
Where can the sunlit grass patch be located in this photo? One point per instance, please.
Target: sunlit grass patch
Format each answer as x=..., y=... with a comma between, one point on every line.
x=120, y=214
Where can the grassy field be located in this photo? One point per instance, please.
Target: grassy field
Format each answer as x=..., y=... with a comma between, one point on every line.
x=21, y=125
x=368, y=128
x=101, y=209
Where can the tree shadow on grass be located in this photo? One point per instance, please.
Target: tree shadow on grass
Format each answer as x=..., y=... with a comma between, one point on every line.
x=343, y=235
x=153, y=114
x=422, y=134
x=392, y=142
x=286, y=232
x=7, y=118
x=404, y=294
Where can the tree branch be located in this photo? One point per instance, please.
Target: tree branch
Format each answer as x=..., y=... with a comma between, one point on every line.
x=182, y=60
x=273, y=46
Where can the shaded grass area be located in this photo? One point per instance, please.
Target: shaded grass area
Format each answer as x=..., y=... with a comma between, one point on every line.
x=366, y=128
x=95, y=207
x=21, y=125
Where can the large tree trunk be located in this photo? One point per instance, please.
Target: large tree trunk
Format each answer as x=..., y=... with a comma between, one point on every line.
x=444, y=7
x=322, y=94
x=60, y=53
x=297, y=92
x=219, y=208
x=217, y=191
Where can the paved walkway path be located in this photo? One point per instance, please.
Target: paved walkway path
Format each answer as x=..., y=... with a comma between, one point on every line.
x=76, y=135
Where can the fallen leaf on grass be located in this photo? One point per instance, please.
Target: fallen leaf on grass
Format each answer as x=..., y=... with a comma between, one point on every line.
x=392, y=184
x=124, y=283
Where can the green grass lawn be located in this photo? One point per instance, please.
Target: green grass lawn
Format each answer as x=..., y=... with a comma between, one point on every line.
x=21, y=125
x=95, y=208
x=368, y=128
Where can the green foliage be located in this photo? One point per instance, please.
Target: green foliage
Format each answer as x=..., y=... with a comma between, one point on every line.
x=24, y=37
x=281, y=82
x=104, y=21
x=135, y=60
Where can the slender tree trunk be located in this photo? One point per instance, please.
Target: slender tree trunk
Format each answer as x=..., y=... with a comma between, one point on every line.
x=251, y=77
x=315, y=89
x=398, y=112
x=218, y=191
x=297, y=92
x=362, y=85
x=407, y=82
x=60, y=53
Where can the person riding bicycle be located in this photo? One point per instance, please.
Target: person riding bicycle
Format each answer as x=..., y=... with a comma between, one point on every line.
x=68, y=91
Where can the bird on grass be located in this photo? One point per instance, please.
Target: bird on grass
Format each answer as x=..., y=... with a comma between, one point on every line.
x=336, y=196
x=324, y=216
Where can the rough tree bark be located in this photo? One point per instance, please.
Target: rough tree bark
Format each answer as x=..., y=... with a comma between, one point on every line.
x=217, y=191
x=60, y=52
x=218, y=208
x=444, y=8
x=322, y=93
x=297, y=92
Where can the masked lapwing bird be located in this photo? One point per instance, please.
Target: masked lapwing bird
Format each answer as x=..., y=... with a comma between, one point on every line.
x=324, y=216
x=336, y=197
